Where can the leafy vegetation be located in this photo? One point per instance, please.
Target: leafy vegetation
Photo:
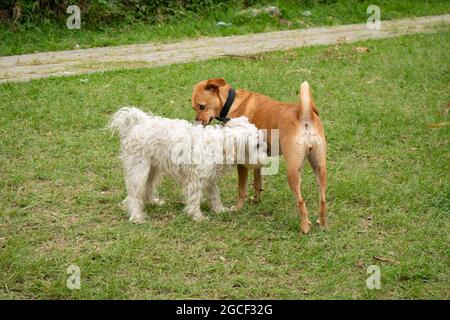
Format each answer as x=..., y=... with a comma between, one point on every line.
x=107, y=23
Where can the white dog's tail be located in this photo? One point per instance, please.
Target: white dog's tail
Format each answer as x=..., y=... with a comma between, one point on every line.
x=307, y=105
x=125, y=119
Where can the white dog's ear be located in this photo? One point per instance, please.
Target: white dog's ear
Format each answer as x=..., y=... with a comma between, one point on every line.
x=214, y=84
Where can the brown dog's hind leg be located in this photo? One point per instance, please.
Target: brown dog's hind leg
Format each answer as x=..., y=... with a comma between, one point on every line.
x=294, y=180
x=257, y=184
x=242, y=185
x=320, y=170
x=321, y=177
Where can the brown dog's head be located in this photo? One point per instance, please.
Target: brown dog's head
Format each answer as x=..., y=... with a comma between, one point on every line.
x=208, y=99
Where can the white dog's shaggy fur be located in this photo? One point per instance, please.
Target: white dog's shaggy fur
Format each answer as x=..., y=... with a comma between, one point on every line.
x=153, y=146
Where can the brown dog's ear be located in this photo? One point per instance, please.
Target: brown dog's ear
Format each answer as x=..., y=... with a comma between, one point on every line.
x=214, y=84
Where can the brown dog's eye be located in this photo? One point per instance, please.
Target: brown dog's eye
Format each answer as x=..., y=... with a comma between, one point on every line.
x=201, y=107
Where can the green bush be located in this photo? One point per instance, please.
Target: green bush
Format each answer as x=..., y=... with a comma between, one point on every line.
x=99, y=11
x=110, y=12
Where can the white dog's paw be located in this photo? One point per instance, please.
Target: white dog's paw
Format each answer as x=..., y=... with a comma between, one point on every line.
x=123, y=204
x=137, y=219
x=198, y=217
x=157, y=201
x=220, y=209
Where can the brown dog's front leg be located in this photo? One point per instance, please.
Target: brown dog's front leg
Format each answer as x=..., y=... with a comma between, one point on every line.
x=257, y=184
x=242, y=185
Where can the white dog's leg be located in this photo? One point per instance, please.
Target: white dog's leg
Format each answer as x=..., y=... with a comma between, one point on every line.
x=193, y=197
x=136, y=181
x=213, y=195
x=152, y=184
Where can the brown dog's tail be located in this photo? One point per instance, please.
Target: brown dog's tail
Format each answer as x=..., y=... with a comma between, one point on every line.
x=307, y=104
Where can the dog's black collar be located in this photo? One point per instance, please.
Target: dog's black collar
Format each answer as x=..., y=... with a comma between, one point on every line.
x=226, y=107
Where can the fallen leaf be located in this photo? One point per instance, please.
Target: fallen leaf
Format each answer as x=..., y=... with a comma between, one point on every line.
x=342, y=40
x=377, y=78
x=445, y=110
x=365, y=224
x=301, y=70
x=439, y=124
x=285, y=22
x=383, y=259
x=362, y=49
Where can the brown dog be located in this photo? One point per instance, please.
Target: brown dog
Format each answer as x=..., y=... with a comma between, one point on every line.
x=300, y=130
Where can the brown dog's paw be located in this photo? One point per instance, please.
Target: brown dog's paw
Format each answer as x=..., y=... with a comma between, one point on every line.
x=137, y=219
x=255, y=200
x=322, y=224
x=305, y=227
x=238, y=206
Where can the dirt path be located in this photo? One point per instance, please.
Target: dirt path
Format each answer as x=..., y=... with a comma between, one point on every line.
x=39, y=65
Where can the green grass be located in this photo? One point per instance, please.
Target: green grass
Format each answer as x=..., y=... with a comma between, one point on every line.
x=52, y=36
x=389, y=194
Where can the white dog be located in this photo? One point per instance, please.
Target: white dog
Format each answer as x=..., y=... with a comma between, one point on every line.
x=195, y=155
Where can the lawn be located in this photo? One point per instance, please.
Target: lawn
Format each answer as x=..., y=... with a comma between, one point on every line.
x=385, y=116
x=52, y=36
